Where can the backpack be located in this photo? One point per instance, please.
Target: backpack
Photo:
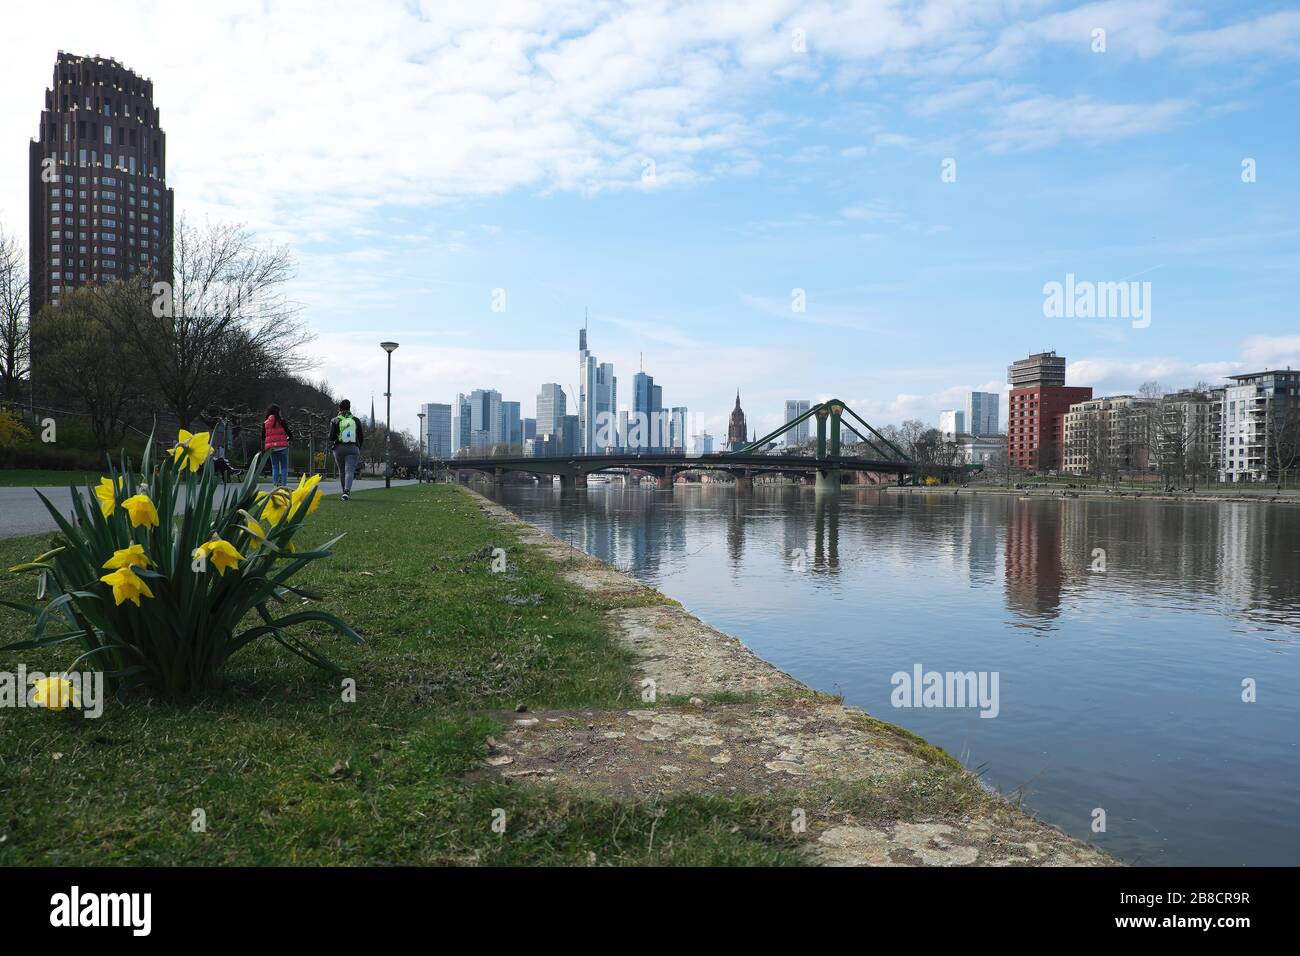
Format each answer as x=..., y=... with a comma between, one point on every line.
x=347, y=430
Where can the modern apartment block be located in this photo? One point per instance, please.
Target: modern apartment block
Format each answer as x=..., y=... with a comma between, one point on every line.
x=437, y=430
x=99, y=207
x=982, y=413
x=1038, y=403
x=1259, y=435
x=1107, y=435
x=801, y=433
x=1188, y=430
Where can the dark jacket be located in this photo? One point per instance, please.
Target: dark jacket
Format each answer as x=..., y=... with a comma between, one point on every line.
x=334, y=430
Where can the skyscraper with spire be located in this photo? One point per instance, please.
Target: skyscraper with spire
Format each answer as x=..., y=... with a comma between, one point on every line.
x=597, y=401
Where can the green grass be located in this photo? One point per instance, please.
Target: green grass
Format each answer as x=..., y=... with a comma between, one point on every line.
x=288, y=773
x=43, y=477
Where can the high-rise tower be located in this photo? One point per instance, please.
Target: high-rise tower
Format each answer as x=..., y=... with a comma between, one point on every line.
x=99, y=206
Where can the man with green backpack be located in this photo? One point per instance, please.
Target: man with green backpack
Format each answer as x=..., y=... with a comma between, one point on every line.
x=346, y=439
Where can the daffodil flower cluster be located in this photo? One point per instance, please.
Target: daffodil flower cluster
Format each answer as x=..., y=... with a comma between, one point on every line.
x=130, y=578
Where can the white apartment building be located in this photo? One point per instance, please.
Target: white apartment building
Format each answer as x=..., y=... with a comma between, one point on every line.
x=1260, y=417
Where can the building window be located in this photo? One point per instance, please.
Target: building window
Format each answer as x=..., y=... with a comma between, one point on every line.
x=108, y=134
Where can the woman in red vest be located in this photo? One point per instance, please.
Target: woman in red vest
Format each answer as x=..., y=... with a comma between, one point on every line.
x=275, y=439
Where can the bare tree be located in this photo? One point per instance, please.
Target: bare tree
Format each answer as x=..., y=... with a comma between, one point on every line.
x=221, y=323
x=1283, y=423
x=15, y=332
x=91, y=362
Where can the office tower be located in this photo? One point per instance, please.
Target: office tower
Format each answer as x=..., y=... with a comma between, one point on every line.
x=801, y=433
x=569, y=437
x=461, y=422
x=512, y=425
x=1038, y=403
x=952, y=422
x=550, y=408
x=98, y=204
x=981, y=413
x=597, y=401
x=702, y=444
x=485, y=418
x=437, y=430
x=530, y=428
x=677, y=429
x=648, y=424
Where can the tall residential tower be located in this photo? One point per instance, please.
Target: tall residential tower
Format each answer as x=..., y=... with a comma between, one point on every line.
x=99, y=208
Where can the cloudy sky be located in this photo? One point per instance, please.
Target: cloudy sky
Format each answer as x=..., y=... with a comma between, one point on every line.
x=790, y=199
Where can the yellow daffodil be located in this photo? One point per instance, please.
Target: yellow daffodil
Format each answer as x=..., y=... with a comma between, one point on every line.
x=277, y=504
x=55, y=693
x=127, y=586
x=107, y=498
x=194, y=449
x=306, y=491
x=256, y=533
x=141, y=511
x=221, y=554
x=127, y=557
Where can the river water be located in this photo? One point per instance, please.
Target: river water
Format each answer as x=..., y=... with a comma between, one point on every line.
x=1123, y=636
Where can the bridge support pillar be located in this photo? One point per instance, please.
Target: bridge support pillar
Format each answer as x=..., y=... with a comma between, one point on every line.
x=571, y=483
x=498, y=476
x=745, y=482
x=828, y=481
x=664, y=482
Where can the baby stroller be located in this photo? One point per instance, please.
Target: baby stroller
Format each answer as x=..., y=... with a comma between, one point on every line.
x=226, y=470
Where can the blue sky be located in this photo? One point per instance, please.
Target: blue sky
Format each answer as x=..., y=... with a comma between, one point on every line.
x=419, y=157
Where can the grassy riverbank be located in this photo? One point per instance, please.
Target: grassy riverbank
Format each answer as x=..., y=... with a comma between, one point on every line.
x=287, y=773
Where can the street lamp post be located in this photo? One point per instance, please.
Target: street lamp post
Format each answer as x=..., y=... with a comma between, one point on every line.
x=419, y=465
x=388, y=424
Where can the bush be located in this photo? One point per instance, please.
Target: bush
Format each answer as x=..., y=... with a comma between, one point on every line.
x=178, y=587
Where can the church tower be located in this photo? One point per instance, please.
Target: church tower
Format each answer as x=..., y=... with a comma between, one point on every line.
x=736, y=430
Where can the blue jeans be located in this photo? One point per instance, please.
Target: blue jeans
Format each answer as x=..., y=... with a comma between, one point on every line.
x=279, y=467
x=348, y=456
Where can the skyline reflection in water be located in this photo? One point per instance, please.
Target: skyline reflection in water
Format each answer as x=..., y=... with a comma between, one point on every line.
x=1119, y=689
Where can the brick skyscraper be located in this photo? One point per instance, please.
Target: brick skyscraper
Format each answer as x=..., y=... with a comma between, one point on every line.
x=99, y=204
x=1037, y=406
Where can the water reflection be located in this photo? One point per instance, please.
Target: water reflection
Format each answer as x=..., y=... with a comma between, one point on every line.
x=1121, y=687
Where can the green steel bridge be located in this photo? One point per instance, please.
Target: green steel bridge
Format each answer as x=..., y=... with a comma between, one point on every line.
x=873, y=454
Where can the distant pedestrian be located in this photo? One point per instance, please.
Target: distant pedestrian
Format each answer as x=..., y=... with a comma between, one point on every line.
x=346, y=439
x=275, y=439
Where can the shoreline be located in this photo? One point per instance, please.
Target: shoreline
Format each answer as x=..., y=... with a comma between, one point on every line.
x=1069, y=494
x=721, y=720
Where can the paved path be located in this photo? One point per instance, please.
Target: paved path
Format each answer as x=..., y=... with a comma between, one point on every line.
x=21, y=512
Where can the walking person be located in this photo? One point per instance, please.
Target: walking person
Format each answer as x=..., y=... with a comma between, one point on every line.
x=345, y=439
x=275, y=439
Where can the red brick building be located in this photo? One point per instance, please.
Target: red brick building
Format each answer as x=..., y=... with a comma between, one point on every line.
x=99, y=205
x=1036, y=411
